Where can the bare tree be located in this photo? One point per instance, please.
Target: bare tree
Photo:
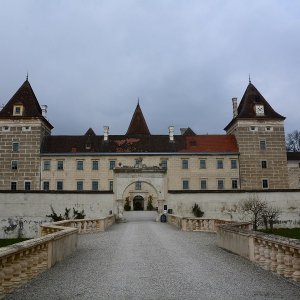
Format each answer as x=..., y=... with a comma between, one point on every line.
x=270, y=215
x=293, y=141
x=252, y=209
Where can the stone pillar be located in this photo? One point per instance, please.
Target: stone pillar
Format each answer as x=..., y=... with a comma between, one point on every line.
x=120, y=206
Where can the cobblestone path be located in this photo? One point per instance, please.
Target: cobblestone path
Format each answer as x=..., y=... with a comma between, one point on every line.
x=142, y=259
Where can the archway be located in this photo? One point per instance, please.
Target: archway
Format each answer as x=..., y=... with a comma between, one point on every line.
x=138, y=203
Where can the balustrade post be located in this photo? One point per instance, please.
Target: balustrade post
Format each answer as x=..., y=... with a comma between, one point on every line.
x=261, y=254
x=184, y=224
x=280, y=260
x=267, y=263
x=8, y=274
x=16, y=279
x=288, y=256
x=296, y=265
x=197, y=227
x=256, y=250
x=273, y=256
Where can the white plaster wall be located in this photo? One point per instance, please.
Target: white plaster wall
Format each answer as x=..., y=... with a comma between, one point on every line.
x=30, y=209
x=225, y=205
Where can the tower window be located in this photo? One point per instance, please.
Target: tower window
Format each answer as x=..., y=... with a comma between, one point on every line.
x=5, y=128
x=18, y=110
x=264, y=164
x=111, y=185
x=15, y=147
x=14, y=165
x=262, y=145
x=265, y=184
x=164, y=163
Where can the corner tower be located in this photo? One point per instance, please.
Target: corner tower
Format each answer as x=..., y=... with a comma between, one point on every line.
x=259, y=131
x=22, y=129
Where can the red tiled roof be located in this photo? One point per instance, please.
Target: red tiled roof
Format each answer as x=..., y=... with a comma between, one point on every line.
x=140, y=144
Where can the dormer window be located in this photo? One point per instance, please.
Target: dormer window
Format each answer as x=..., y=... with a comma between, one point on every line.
x=18, y=110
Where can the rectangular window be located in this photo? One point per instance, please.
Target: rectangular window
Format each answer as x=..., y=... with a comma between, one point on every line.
x=138, y=185
x=60, y=165
x=26, y=128
x=79, y=165
x=233, y=164
x=5, y=128
x=79, y=185
x=15, y=147
x=202, y=164
x=59, y=185
x=164, y=163
x=220, y=164
x=14, y=165
x=234, y=184
x=95, y=165
x=262, y=145
x=17, y=110
x=27, y=185
x=46, y=185
x=220, y=184
x=264, y=164
x=112, y=164
x=185, y=184
x=13, y=185
x=111, y=185
x=265, y=184
x=203, y=184
x=185, y=164
x=46, y=165
x=95, y=185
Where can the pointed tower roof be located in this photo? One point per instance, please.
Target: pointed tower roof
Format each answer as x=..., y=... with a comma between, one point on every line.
x=138, y=124
x=31, y=108
x=26, y=97
x=246, y=108
x=189, y=132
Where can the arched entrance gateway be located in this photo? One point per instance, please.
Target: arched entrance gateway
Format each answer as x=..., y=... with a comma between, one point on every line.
x=139, y=188
x=138, y=203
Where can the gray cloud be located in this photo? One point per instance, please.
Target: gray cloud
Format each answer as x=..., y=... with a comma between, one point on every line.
x=89, y=61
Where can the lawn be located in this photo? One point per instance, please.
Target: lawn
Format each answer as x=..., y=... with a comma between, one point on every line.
x=7, y=242
x=293, y=233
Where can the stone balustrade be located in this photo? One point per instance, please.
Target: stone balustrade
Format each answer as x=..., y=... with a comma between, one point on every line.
x=274, y=253
x=195, y=224
x=23, y=261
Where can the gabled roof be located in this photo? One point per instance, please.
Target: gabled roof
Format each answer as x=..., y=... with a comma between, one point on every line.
x=90, y=132
x=26, y=97
x=138, y=124
x=246, y=108
x=140, y=144
x=189, y=132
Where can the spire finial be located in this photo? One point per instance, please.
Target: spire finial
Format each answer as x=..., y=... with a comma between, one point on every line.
x=27, y=76
x=249, y=79
x=138, y=100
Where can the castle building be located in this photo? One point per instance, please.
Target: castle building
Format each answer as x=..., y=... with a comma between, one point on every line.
x=138, y=165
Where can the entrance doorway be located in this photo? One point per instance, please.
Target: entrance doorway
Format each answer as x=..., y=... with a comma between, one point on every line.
x=138, y=203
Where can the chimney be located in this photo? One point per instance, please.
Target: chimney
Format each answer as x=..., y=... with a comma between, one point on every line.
x=106, y=132
x=171, y=133
x=234, y=107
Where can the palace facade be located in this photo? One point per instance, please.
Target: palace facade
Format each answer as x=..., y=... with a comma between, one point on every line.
x=250, y=156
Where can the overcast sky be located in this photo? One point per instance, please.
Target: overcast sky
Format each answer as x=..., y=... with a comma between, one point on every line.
x=90, y=61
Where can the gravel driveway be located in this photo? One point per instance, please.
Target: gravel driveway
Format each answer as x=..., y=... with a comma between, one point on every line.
x=142, y=259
